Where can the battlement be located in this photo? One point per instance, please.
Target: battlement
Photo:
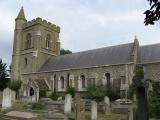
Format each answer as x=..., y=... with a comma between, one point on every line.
x=43, y=22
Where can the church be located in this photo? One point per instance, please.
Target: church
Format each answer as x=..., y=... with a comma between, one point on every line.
x=37, y=62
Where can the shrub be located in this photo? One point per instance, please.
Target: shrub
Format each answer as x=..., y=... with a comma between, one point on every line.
x=154, y=101
x=71, y=91
x=15, y=85
x=96, y=92
x=54, y=96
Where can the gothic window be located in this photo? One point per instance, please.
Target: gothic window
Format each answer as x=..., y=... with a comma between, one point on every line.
x=108, y=78
x=62, y=82
x=83, y=81
x=48, y=39
x=28, y=40
x=25, y=62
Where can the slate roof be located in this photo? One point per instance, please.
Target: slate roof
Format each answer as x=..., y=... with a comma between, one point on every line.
x=119, y=54
x=41, y=84
x=149, y=54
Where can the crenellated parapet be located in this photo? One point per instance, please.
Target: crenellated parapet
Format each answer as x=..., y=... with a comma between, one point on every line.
x=42, y=22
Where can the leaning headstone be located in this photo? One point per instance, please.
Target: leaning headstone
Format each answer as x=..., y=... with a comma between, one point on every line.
x=93, y=110
x=7, y=98
x=67, y=104
x=107, y=105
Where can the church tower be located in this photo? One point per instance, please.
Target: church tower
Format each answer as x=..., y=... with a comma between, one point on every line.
x=34, y=42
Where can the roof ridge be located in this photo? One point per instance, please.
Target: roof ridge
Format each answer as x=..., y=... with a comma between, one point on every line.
x=96, y=49
x=150, y=45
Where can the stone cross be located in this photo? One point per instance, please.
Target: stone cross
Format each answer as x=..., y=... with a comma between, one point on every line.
x=107, y=105
x=7, y=98
x=79, y=107
x=67, y=104
x=141, y=87
x=93, y=110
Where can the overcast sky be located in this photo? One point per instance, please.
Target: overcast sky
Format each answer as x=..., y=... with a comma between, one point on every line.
x=85, y=24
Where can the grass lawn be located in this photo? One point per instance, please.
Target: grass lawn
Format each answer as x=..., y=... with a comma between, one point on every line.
x=22, y=107
x=101, y=116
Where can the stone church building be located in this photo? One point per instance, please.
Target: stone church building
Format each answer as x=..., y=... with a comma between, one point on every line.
x=37, y=62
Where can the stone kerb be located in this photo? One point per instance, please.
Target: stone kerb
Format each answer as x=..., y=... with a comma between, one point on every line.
x=107, y=105
x=7, y=98
x=67, y=104
x=94, y=110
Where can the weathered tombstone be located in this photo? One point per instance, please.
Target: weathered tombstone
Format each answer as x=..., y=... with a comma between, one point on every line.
x=107, y=105
x=67, y=104
x=7, y=98
x=141, y=87
x=93, y=110
x=79, y=107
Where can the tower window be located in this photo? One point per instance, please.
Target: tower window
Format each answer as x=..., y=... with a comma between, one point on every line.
x=28, y=40
x=48, y=39
x=83, y=81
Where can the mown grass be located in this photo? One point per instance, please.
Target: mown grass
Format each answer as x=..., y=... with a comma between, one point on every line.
x=101, y=116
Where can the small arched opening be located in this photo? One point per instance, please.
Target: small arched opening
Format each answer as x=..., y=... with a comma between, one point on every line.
x=31, y=92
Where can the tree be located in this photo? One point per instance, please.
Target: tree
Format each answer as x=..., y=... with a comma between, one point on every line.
x=63, y=51
x=153, y=14
x=3, y=75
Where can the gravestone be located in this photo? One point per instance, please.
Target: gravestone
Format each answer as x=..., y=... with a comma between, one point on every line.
x=67, y=104
x=141, y=87
x=79, y=107
x=107, y=105
x=94, y=110
x=7, y=98
x=130, y=113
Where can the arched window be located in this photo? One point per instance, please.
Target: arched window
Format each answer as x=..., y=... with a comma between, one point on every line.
x=108, y=78
x=25, y=62
x=28, y=40
x=31, y=92
x=48, y=39
x=83, y=81
x=62, y=82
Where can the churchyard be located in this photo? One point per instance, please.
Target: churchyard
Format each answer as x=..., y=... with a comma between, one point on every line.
x=67, y=109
